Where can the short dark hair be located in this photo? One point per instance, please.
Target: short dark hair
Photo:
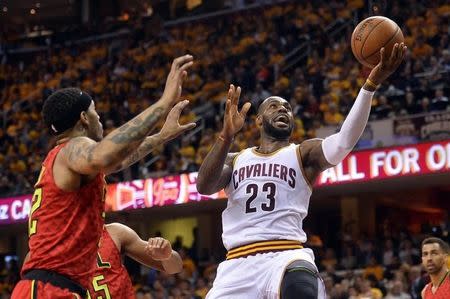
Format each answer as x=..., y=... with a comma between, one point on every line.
x=62, y=109
x=442, y=244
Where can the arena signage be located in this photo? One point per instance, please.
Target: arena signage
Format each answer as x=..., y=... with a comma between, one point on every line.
x=361, y=166
x=417, y=159
x=14, y=209
x=149, y=193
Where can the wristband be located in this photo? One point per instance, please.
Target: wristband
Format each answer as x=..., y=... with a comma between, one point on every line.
x=373, y=85
x=223, y=139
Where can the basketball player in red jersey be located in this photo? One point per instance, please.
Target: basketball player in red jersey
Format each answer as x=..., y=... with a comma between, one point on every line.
x=434, y=259
x=269, y=188
x=111, y=279
x=66, y=218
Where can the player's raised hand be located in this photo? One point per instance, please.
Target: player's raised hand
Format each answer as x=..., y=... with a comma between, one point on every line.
x=159, y=249
x=233, y=118
x=174, y=82
x=387, y=65
x=172, y=128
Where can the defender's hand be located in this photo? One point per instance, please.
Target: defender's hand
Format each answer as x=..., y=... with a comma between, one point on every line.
x=159, y=249
x=174, y=82
x=233, y=118
x=387, y=65
x=172, y=128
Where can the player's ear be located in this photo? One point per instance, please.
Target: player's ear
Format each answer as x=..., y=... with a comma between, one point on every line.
x=84, y=119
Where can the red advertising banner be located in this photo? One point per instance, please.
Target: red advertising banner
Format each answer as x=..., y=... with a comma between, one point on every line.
x=170, y=190
x=15, y=209
x=417, y=159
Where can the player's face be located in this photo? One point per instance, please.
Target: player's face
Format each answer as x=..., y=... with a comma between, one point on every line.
x=277, y=118
x=95, y=127
x=433, y=258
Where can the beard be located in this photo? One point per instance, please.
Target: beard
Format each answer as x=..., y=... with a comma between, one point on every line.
x=95, y=134
x=276, y=133
x=434, y=269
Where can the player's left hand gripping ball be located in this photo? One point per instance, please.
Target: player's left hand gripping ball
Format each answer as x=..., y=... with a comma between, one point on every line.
x=159, y=249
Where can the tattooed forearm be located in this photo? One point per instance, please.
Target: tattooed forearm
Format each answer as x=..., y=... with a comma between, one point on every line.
x=86, y=156
x=137, y=128
x=143, y=150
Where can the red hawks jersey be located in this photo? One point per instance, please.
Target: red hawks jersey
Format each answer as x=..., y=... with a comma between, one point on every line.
x=64, y=227
x=111, y=279
x=442, y=292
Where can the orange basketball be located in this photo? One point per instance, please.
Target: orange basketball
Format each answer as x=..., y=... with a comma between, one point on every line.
x=371, y=35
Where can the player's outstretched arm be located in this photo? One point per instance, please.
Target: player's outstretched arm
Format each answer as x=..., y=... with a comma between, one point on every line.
x=85, y=156
x=170, y=130
x=160, y=250
x=157, y=253
x=318, y=155
x=215, y=171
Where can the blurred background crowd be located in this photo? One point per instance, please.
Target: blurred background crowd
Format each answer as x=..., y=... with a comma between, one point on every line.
x=250, y=48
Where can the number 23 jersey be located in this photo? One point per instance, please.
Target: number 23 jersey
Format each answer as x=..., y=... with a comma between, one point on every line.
x=268, y=198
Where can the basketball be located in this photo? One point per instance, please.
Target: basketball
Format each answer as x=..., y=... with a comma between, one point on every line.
x=371, y=35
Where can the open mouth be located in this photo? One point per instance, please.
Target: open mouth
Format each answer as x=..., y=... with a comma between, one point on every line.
x=281, y=120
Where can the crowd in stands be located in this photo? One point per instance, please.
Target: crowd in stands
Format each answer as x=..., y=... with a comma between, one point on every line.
x=386, y=266
x=249, y=48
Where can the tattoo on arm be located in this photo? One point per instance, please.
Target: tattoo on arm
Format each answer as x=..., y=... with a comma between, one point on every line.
x=79, y=150
x=143, y=150
x=79, y=155
x=137, y=128
x=85, y=156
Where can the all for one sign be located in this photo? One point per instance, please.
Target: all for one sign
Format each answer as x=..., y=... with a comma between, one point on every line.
x=418, y=159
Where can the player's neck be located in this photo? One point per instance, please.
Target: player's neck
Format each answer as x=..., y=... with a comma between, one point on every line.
x=66, y=136
x=269, y=145
x=437, y=278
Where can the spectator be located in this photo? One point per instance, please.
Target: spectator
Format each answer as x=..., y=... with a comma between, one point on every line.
x=421, y=48
x=408, y=254
x=373, y=268
x=388, y=253
x=425, y=105
x=333, y=116
x=201, y=288
x=411, y=106
x=383, y=109
x=329, y=259
x=397, y=291
x=188, y=264
x=258, y=96
x=348, y=261
x=439, y=102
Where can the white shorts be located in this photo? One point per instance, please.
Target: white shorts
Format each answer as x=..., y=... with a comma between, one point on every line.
x=258, y=276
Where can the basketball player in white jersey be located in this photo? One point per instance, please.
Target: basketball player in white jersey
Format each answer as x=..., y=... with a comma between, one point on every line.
x=268, y=190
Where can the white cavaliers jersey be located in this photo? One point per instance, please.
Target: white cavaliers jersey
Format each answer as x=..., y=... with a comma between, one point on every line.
x=268, y=198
